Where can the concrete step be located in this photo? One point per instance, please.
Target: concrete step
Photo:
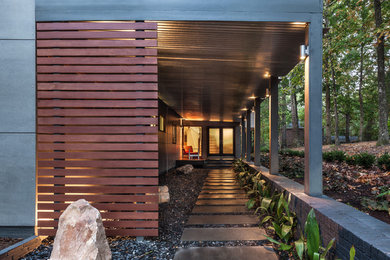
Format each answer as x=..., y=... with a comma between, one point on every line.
x=223, y=234
x=226, y=253
x=222, y=219
x=220, y=209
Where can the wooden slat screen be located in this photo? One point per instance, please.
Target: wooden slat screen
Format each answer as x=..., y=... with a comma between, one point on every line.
x=97, y=108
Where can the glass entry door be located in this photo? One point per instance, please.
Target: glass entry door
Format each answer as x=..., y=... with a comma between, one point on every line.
x=221, y=141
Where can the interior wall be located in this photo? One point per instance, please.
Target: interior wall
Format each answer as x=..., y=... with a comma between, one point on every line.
x=168, y=149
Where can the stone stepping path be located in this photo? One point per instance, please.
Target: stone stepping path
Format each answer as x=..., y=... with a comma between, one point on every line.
x=223, y=220
x=220, y=209
x=224, y=253
x=222, y=202
x=223, y=234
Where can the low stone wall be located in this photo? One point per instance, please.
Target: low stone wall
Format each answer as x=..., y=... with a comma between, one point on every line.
x=349, y=226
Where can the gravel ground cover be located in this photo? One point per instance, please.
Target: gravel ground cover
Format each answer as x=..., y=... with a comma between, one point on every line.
x=183, y=190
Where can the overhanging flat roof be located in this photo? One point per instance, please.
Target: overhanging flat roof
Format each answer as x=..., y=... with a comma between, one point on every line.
x=208, y=70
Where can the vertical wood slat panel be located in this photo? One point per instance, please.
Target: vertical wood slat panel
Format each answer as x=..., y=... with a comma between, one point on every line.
x=96, y=123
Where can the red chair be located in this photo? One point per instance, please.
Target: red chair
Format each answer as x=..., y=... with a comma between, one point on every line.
x=188, y=150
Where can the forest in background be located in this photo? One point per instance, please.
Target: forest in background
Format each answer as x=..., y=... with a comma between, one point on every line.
x=356, y=98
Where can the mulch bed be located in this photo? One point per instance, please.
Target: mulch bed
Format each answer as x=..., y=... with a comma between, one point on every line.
x=342, y=182
x=354, y=148
x=183, y=190
x=6, y=242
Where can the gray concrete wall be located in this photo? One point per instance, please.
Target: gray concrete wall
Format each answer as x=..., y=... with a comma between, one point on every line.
x=17, y=114
x=216, y=10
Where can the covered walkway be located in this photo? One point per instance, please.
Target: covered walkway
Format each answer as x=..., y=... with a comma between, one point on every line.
x=220, y=214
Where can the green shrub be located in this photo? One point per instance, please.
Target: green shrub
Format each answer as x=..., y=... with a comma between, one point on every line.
x=350, y=160
x=334, y=155
x=384, y=162
x=365, y=160
x=264, y=149
x=290, y=152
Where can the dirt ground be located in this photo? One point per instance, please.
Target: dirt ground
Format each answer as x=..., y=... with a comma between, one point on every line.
x=6, y=242
x=354, y=148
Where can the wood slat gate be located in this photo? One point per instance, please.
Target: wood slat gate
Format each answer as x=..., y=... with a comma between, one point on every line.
x=97, y=108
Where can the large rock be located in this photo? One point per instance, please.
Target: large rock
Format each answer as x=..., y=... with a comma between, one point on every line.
x=80, y=234
x=186, y=169
x=163, y=194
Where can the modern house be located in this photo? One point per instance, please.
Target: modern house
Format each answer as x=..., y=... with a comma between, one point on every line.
x=97, y=97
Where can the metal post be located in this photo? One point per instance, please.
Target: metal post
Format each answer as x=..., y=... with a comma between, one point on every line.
x=248, y=136
x=243, y=137
x=313, y=109
x=257, y=132
x=273, y=126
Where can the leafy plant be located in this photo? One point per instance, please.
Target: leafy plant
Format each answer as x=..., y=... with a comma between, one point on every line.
x=379, y=205
x=365, y=160
x=334, y=155
x=290, y=152
x=352, y=253
x=384, y=162
x=309, y=247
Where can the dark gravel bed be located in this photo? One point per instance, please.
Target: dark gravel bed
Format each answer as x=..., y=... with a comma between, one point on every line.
x=183, y=190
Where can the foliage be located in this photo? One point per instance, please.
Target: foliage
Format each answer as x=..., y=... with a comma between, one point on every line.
x=309, y=245
x=274, y=208
x=384, y=162
x=334, y=155
x=365, y=160
x=379, y=205
x=290, y=152
x=349, y=70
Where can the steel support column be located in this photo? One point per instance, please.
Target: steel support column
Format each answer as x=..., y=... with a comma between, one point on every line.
x=243, y=137
x=248, y=136
x=313, y=108
x=257, y=132
x=273, y=126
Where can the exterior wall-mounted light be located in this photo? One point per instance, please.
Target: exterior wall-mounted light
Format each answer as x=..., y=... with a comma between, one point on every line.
x=252, y=97
x=304, y=52
x=267, y=92
x=267, y=75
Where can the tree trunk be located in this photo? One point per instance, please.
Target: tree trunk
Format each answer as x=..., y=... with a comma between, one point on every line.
x=383, y=135
x=347, y=126
x=294, y=118
x=283, y=122
x=328, y=134
x=361, y=108
x=336, y=115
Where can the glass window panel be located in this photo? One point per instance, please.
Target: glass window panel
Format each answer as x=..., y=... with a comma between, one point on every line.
x=227, y=134
x=214, y=140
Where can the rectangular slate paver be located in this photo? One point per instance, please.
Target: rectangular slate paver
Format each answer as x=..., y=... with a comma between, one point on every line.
x=220, y=209
x=223, y=234
x=222, y=191
x=222, y=196
x=221, y=187
x=221, y=202
x=220, y=181
x=226, y=253
x=222, y=219
x=221, y=184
